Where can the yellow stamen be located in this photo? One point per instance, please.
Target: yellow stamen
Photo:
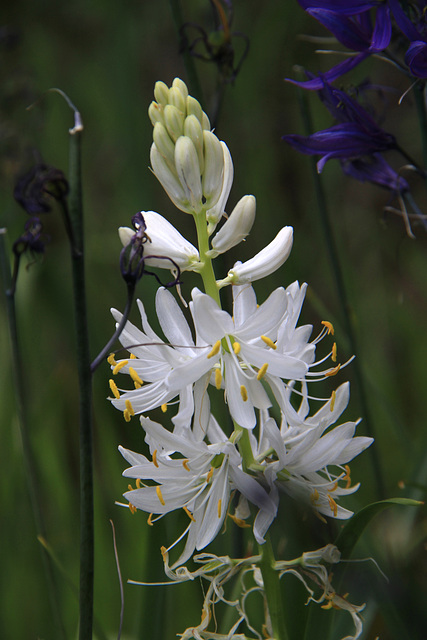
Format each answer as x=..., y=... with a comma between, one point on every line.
x=119, y=366
x=189, y=514
x=314, y=496
x=164, y=407
x=126, y=415
x=219, y=507
x=334, y=352
x=240, y=523
x=156, y=464
x=149, y=520
x=333, y=397
x=132, y=508
x=236, y=348
x=218, y=378
x=185, y=464
x=329, y=326
x=243, y=392
x=135, y=377
x=210, y=474
x=164, y=553
x=262, y=371
x=114, y=389
x=333, y=372
x=347, y=476
x=111, y=360
x=333, y=505
x=129, y=407
x=269, y=342
x=215, y=349
x=132, y=356
x=130, y=487
x=334, y=487
x=159, y=495
x=138, y=483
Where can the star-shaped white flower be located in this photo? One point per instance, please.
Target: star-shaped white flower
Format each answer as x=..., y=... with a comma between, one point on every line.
x=195, y=476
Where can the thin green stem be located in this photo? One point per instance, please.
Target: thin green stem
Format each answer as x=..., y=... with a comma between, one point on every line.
x=272, y=591
x=85, y=387
x=30, y=466
x=346, y=310
x=206, y=271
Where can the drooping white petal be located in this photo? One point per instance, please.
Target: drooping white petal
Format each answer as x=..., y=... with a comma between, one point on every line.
x=236, y=228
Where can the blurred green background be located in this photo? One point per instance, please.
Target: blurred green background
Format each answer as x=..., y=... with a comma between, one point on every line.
x=107, y=55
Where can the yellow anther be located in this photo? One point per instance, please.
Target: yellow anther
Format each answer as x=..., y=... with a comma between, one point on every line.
x=329, y=326
x=129, y=407
x=314, y=496
x=164, y=553
x=149, y=520
x=269, y=342
x=218, y=378
x=333, y=397
x=262, y=371
x=138, y=483
x=219, y=507
x=236, y=347
x=159, y=495
x=215, y=349
x=189, y=514
x=111, y=360
x=240, y=523
x=137, y=385
x=132, y=356
x=334, y=487
x=185, y=464
x=333, y=372
x=333, y=505
x=164, y=407
x=119, y=366
x=347, y=477
x=132, y=508
x=334, y=352
x=130, y=487
x=156, y=464
x=126, y=415
x=114, y=389
x=210, y=474
x=135, y=377
x=243, y=392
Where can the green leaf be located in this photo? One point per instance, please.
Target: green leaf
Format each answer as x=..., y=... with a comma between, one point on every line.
x=352, y=531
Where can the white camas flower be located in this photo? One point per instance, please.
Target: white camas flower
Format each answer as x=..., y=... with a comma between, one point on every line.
x=236, y=228
x=263, y=263
x=164, y=242
x=188, y=474
x=310, y=463
x=238, y=353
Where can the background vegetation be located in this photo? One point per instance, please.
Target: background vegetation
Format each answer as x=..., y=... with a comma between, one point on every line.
x=106, y=55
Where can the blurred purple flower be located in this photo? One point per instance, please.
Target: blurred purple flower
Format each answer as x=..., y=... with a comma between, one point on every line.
x=376, y=170
x=355, y=135
x=416, y=32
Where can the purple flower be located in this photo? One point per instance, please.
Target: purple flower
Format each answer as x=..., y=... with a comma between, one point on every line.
x=376, y=170
x=416, y=32
x=355, y=135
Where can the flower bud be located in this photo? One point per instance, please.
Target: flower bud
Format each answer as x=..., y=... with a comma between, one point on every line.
x=155, y=113
x=181, y=86
x=194, y=108
x=174, y=121
x=164, y=244
x=188, y=170
x=214, y=168
x=193, y=129
x=263, y=263
x=168, y=179
x=177, y=99
x=236, y=228
x=215, y=214
x=164, y=144
x=161, y=93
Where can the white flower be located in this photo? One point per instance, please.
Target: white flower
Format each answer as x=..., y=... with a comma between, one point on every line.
x=164, y=242
x=310, y=463
x=238, y=353
x=194, y=476
x=263, y=263
x=236, y=228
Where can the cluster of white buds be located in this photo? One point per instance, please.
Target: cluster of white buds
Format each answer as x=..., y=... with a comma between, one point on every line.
x=189, y=161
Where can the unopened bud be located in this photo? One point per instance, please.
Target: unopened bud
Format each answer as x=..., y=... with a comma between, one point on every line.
x=161, y=93
x=214, y=168
x=174, y=121
x=177, y=99
x=193, y=129
x=188, y=170
x=155, y=113
x=181, y=86
x=236, y=228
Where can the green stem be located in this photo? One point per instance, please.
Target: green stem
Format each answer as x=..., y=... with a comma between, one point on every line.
x=85, y=387
x=30, y=466
x=272, y=591
x=343, y=299
x=206, y=271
